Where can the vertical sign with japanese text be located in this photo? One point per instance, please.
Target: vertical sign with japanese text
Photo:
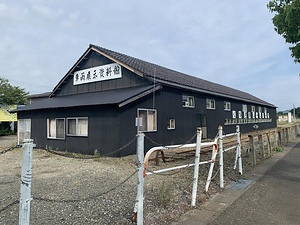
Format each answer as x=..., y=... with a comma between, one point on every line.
x=98, y=73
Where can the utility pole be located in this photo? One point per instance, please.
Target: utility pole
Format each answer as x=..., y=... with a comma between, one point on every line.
x=294, y=112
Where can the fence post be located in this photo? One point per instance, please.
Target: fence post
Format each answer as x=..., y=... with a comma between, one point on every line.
x=221, y=159
x=275, y=139
x=239, y=150
x=196, y=167
x=140, y=175
x=26, y=175
x=252, y=149
x=261, y=146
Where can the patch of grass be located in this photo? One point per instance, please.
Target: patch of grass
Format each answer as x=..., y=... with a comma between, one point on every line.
x=165, y=195
x=278, y=149
x=96, y=153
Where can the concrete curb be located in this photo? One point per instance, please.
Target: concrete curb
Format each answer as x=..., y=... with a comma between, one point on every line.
x=210, y=210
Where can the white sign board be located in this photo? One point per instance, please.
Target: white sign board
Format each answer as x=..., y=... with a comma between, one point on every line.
x=98, y=73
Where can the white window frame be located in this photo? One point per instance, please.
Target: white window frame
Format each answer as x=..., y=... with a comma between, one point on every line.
x=233, y=114
x=146, y=120
x=171, y=124
x=77, y=125
x=188, y=101
x=210, y=103
x=24, y=130
x=244, y=108
x=227, y=106
x=49, y=136
x=252, y=108
x=259, y=111
x=240, y=115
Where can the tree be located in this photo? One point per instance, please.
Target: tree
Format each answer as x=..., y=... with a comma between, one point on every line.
x=297, y=112
x=11, y=95
x=287, y=23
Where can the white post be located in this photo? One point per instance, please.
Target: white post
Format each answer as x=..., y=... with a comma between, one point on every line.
x=140, y=175
x=239, y=150
x=211, y=168
x=221, y=161
x=25, y=196
x=196, y=168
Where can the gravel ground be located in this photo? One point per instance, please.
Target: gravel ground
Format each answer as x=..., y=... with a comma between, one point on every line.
x=74, y=189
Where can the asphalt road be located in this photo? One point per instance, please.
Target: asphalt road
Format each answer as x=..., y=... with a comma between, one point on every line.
x=273, y=199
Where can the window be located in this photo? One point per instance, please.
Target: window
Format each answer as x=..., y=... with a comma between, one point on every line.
x=147, y=119
x=24, y=130
x=259, y=112
x=227, y=106
x=188, y=101
x=171, y=124
x=240, y=115
x=249, y=115
x=56, y=128
x=77, y=126
x=233, y=114
x=244, y=108
x=252, y=108
x=210, y=103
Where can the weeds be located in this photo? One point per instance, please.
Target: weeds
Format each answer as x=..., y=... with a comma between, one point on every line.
x=96, y=153
x=165, y=195
x=278, y=149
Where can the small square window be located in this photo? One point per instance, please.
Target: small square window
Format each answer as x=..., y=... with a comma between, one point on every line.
x=171, y=124
x=210, y=103
x=227, y=106
x=188, y=101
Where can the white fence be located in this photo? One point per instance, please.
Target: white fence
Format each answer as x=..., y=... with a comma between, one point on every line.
x=143, y=172
x=216, y=144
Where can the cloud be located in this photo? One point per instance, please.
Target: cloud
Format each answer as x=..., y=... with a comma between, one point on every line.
x=71, y=20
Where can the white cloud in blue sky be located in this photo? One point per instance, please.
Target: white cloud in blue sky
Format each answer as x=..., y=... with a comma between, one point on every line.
x=227, y=42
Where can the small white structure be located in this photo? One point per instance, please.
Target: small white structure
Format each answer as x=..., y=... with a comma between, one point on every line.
x=286, y=118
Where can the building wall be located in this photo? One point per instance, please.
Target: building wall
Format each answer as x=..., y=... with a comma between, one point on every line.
x=111, y=127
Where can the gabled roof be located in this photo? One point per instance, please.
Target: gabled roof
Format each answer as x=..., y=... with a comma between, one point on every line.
x=168, y=77
x=120, y=97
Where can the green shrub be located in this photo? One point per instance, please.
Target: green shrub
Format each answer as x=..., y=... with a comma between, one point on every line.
x=278, y=149
x=6, y=131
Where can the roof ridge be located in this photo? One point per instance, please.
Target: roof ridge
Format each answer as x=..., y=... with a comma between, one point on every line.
x=171, y=76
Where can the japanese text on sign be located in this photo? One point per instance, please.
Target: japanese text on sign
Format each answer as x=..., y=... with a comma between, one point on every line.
x=98, y=73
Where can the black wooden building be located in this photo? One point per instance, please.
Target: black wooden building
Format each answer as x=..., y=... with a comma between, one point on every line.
x=97, y=103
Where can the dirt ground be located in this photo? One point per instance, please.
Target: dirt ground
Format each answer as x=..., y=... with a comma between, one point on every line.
x=100, y=191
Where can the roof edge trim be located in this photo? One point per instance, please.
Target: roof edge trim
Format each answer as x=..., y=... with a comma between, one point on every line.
x=117, y=61
x=139, y=96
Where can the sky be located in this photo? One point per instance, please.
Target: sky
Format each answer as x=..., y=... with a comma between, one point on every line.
x=228, y=42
